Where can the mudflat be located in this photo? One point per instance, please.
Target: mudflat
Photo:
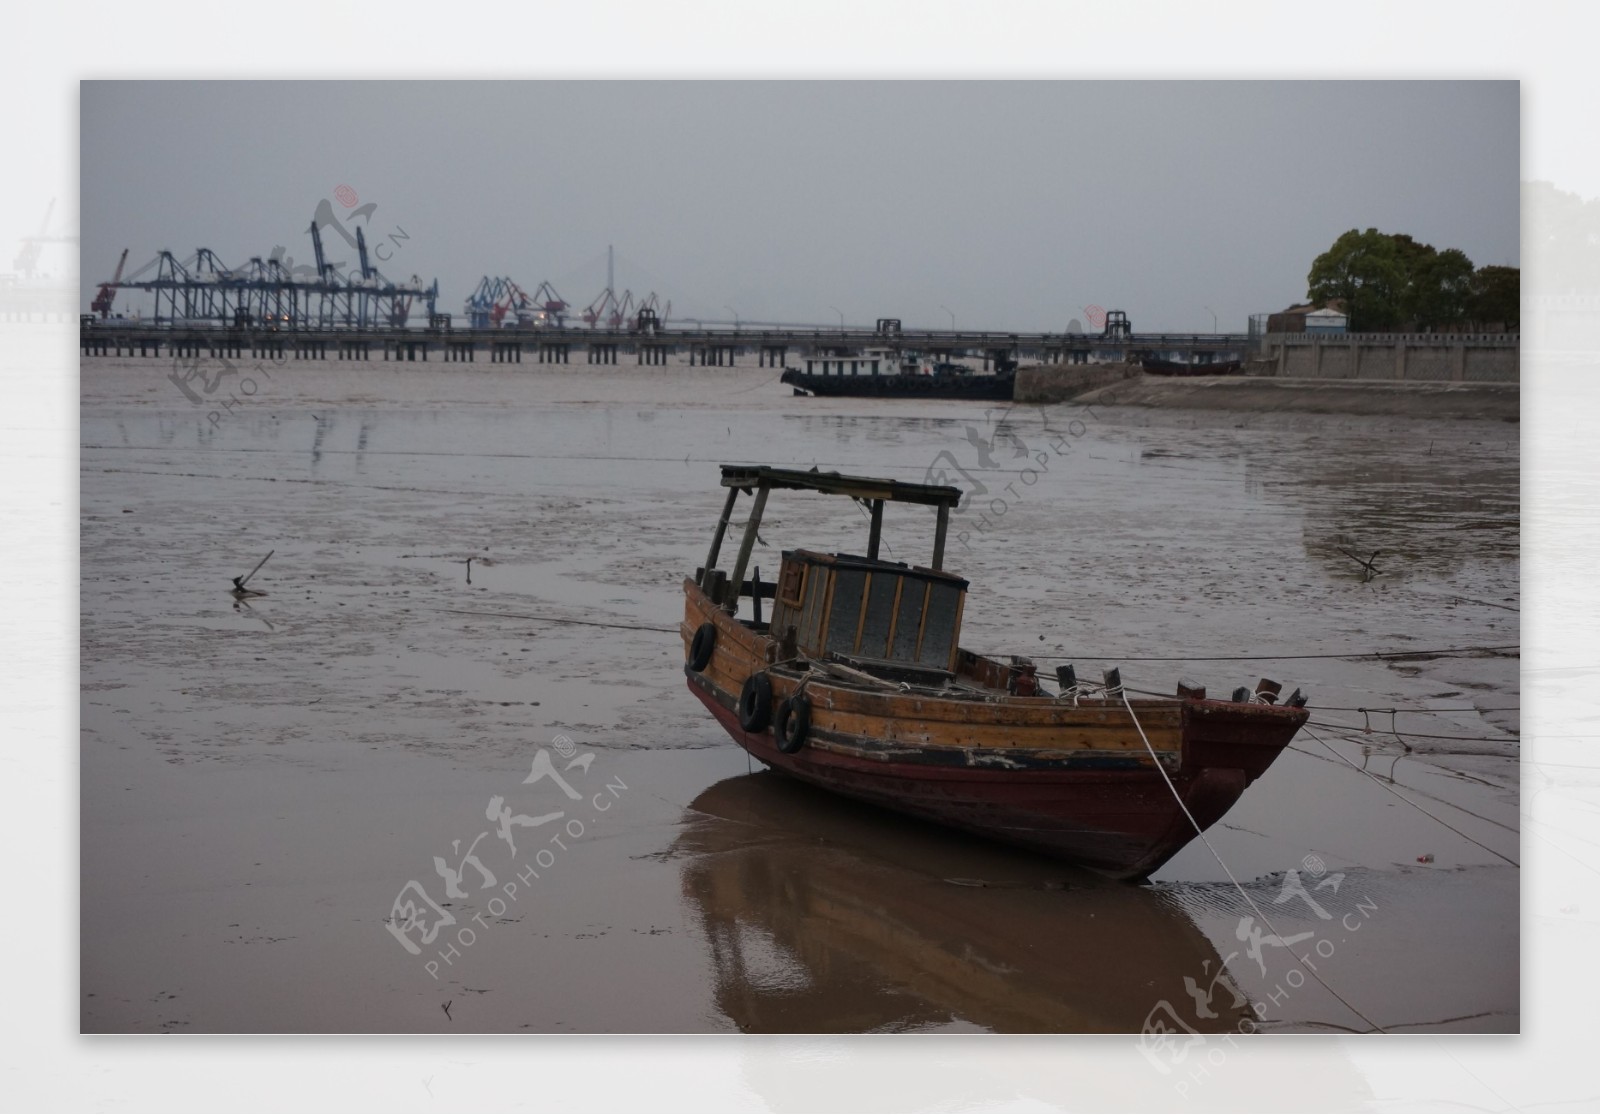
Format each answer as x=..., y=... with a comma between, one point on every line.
x=505, y=749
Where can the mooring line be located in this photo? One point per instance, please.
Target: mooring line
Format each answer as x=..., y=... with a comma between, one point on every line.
x=1435, y=797
x=1231, y=877
x=1408, y=801
x=1408, y=732
x=1391, y=710
x=554, y=619
x=1387, y=710
x=1379, y=654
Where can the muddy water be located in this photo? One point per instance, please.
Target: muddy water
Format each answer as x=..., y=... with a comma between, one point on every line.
x=262, y=781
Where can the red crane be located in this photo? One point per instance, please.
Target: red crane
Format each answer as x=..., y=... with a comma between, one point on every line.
x=108, y=291
x=554, y=306
x=604, y=304
x=513, y=298
x=620, y=311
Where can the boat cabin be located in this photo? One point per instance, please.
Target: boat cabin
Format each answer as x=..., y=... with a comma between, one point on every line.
x=887, y=616
x=871, y=362
x=875, y=612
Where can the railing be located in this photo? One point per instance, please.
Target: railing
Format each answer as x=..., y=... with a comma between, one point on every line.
x=1507, y=340
x=846, y=337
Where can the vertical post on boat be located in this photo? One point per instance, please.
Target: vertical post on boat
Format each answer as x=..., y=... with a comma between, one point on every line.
x=716, y=539
x=875, y=534
x=938, y=536
x=737, y=579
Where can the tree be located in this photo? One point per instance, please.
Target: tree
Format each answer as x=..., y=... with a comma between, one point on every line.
x=1392, y=281
x=1496, y=296
x=1440, y=289
x=1364, y=271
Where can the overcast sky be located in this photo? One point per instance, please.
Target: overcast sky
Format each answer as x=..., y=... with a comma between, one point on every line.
x=1012, y=205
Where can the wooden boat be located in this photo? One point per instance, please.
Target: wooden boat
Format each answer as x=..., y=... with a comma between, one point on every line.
x=887, y=374
x=1155, y=367
x=857, y=682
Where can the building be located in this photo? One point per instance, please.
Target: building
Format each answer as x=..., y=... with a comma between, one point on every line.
x=1309, y=318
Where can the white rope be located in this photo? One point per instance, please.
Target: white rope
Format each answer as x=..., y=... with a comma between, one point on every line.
x=1408, y=801
x=1243, y=893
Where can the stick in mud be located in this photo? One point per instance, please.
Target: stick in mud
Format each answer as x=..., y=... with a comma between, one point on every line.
x=240, y=582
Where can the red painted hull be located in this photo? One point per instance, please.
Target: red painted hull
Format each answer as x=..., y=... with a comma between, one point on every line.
x=1124, y=823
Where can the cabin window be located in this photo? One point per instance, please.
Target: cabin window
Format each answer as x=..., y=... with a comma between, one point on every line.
x=880, y=615
x=816, y=588
x=939, y=627
x=908, y=620
x=790, y=582
x=854, y=366
x=848, y=587
x=874, y=367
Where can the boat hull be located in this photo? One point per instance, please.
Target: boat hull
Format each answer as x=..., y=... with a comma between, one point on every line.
x=1122, y=823
x=900, y=385
x=1089, y=782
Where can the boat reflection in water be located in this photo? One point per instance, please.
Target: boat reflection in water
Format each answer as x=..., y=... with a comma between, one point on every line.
x=822, y=915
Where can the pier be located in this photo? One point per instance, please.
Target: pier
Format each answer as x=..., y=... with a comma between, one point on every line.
x=703, y=346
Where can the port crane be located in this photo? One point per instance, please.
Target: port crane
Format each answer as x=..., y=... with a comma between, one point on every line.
x=513, y=300
x=495, y=300
x=551, y=304
x=108, y=291
x=621, y=313
x=601, y=309
x=272, y=294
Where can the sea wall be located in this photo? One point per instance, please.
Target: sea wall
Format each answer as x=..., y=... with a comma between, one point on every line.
x=1423, y=357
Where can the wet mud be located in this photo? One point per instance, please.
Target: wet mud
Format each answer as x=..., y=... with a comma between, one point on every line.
x=266, y=784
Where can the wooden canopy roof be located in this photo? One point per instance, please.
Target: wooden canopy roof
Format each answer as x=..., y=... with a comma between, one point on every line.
x=833, y=483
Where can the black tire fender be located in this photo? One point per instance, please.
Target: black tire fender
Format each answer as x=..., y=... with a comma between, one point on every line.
x=755, y=703
x=701, y=647
x=793, y=725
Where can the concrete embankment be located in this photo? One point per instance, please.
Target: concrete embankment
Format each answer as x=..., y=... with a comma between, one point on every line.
x=1119, y=385
x=1059, y=383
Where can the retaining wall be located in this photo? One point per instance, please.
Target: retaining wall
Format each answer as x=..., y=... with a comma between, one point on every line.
x=1435, y=357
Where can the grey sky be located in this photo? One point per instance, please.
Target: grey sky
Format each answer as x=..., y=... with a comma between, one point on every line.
x=1014, y=204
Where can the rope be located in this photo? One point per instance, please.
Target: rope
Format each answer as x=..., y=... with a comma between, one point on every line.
x=1244, y=893
x=1380, y=654
x=1364, y=708
x=1418, y=735
x=1392, y=711
x=1067, y=658
x=1461, y=809
x=1409, y=802
x=553, y=619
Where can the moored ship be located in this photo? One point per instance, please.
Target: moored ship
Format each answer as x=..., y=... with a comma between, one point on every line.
x=886, y=373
